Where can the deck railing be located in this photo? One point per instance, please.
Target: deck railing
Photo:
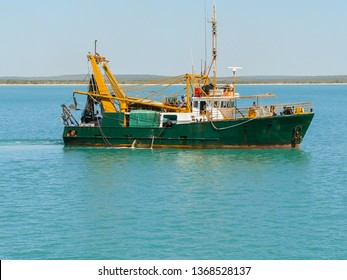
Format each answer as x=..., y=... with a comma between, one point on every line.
x=272, y=110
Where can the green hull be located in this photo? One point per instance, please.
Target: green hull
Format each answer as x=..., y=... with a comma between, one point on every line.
x=275, y=131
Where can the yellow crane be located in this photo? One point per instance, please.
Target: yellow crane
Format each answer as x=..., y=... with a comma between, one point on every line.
x=103, y=91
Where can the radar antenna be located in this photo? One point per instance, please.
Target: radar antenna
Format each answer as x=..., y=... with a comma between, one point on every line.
x=234, y=69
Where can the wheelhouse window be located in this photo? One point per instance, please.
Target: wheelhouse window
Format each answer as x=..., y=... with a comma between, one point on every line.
x=169, y=120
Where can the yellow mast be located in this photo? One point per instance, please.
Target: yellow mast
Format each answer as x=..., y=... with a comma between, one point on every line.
x=116, y=88
x=188, y=92
x=107, y=104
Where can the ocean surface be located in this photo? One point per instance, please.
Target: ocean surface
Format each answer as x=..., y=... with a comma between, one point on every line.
x=109, y=203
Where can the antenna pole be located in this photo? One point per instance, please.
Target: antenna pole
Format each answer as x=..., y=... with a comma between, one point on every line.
x=191, y=54
x=214, y=46
x=205, y=69
x=95, y=46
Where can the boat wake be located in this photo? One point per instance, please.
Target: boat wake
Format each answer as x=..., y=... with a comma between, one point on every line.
x=30, y=142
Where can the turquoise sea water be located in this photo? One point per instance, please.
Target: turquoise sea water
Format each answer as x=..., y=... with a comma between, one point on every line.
x=107, y=203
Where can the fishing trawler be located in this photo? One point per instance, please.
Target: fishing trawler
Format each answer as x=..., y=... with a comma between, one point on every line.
x=198, y=114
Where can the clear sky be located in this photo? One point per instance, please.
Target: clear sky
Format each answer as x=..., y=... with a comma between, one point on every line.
x=266, y=37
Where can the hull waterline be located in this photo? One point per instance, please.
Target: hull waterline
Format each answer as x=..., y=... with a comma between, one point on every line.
x=279, y=131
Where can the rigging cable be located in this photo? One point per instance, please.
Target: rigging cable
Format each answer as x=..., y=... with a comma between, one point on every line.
x=232, y=126
x=102, y=133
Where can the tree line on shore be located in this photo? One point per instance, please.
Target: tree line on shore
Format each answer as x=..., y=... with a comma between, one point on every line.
x=143, y=79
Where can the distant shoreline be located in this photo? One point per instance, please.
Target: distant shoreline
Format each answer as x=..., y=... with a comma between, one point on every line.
x=143, y=79
x=44, y=84
x=145, y=84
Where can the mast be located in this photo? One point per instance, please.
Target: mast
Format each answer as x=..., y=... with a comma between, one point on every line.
x=214, y=49
x=214, y=46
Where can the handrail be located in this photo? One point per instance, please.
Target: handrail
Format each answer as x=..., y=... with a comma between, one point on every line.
x=274, y=110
